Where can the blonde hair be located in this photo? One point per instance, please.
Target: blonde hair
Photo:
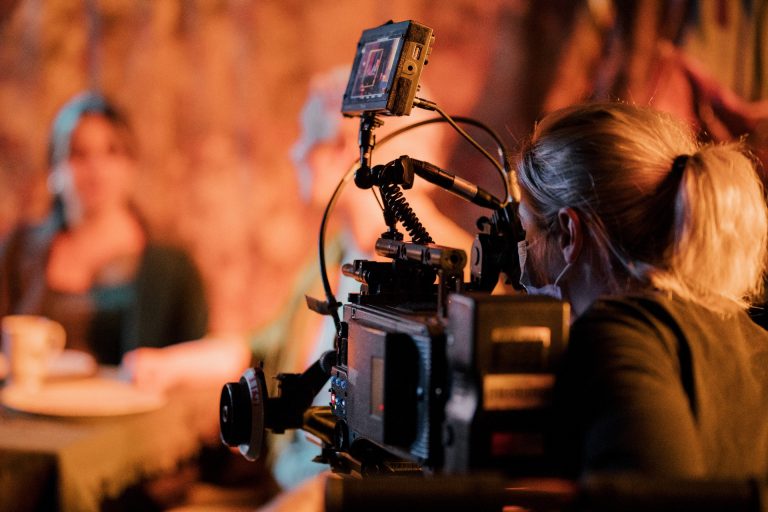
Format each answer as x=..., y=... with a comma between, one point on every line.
x=695, y=226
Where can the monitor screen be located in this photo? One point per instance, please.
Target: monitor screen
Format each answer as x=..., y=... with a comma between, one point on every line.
x=373, y=76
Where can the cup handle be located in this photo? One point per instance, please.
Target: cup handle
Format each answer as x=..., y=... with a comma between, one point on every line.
x=57, y=337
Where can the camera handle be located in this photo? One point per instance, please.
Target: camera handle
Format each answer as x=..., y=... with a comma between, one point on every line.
x=246, y=410
x=366, y=140
x=495, y=250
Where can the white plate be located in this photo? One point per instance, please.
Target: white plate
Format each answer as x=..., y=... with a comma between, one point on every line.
x=91, y=397
x=68, y=364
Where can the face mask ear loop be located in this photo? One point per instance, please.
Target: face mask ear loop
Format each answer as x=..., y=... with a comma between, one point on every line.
x=522, y=258
x=562, y=273
x=522, y=253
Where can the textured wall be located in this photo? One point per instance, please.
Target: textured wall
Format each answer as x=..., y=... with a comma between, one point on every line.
x=214, y=88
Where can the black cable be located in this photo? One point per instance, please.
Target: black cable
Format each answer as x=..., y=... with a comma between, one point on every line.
x=502, y=172
x=330, y=298
x=469, y=121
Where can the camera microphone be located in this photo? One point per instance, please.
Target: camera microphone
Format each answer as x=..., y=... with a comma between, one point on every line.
x=455, y=184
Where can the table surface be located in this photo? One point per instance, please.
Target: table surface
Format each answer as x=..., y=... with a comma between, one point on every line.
x=72, y=464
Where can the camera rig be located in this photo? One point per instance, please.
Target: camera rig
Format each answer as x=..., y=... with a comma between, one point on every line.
x=428, y=374
x=424, y=377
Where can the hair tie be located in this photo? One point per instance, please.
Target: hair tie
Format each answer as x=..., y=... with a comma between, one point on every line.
x=679, y=163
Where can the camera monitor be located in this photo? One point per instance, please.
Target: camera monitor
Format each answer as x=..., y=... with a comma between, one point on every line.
x=388, y=63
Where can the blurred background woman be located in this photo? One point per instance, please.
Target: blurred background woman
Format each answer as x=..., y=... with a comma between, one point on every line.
x=91, y=265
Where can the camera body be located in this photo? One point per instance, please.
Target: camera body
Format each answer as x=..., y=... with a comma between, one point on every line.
x=424, y=377
x=412, y=390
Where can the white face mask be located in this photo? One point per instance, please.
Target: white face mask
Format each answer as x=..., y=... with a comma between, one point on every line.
x=549, y=290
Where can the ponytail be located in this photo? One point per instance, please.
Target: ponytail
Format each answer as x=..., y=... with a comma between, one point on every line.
x=659, y=209
x=718, y=249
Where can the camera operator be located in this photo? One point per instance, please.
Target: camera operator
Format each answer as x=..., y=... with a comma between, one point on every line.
x=659, y=244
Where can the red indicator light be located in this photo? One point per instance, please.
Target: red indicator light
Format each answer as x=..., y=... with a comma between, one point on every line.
x=381, y=407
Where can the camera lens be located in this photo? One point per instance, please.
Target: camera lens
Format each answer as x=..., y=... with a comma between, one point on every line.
x=235, y=414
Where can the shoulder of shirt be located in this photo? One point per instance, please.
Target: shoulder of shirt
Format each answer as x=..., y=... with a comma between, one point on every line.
x=664, y=314
x=633, y=305
x=655, y=304
x=167, y=259
x=160, y=250
x=650, y=312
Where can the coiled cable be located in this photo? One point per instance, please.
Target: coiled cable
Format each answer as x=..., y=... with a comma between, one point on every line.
x=395, y=202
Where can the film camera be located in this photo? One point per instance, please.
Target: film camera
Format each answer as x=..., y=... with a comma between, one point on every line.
x=429, y=374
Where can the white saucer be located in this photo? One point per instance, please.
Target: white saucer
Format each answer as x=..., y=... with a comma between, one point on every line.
x=68, y=364
x=91, y=397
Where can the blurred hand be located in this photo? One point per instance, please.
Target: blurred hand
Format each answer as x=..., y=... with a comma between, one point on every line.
x=204, y=362
x=148, y=368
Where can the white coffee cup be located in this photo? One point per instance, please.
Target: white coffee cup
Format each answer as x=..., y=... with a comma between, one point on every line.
x=30, y=342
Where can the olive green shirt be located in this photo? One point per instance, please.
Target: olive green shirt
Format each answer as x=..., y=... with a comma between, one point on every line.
x=665, y=387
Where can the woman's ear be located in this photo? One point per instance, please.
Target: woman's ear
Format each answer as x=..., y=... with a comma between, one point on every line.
x=571, y=234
